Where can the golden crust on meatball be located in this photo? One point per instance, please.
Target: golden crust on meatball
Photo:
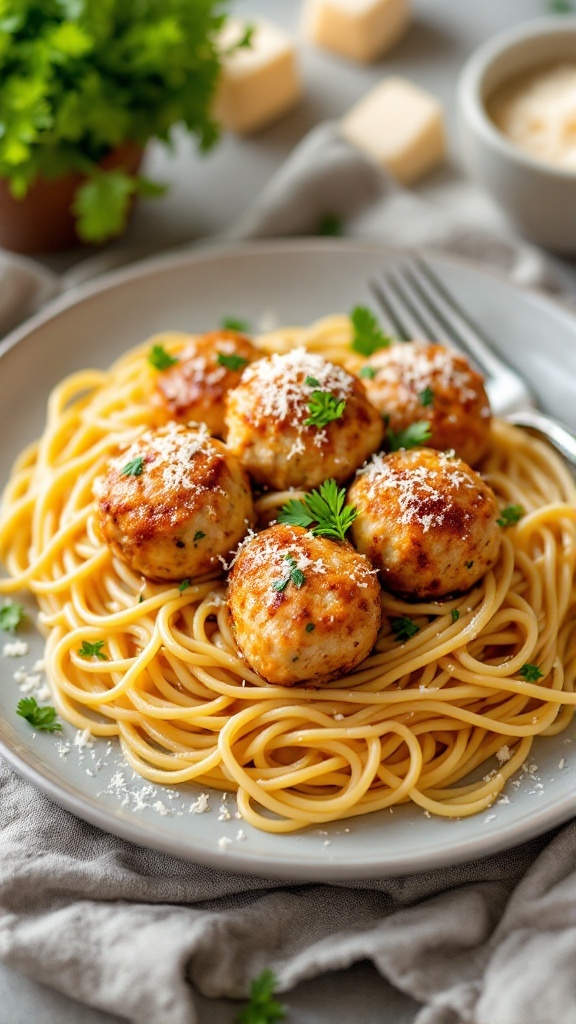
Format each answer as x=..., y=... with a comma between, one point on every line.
x=427, y=521
x=276, y=427
x=414, y=382
x=174, y=503
x=303, y=608
x=194, y=388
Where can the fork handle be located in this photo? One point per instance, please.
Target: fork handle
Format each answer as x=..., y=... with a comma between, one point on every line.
x=550, y=429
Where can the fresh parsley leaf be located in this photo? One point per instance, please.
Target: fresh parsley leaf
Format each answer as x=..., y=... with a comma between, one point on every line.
x=231, y=362
x=280, y=585
x=325, y=507
x=232, y=323
x=469, y=564
x=510, y=515
x=455, y=615
x=262, y=1007
x=426, y=397
x=184, y=586
x=311, y=382
x=11, y=615
x=141, y=599
x=560, y=7
x=412, y=437
x=369, y=372
x=134, y=468
x=368, y=336
x=94, y=650
x=330, y=226
x=324, y=408
x=42, y=718
x=198, y=535
x=102, y=204
x=531, y=673
x=310, y=627
x=245, y=41
x=403, y=628
x=160, y=359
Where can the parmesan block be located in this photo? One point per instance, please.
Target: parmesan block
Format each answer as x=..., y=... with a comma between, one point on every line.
x=258, y=83
x=360, y=29
x=400, y=127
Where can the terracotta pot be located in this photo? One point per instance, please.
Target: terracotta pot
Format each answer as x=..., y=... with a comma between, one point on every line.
x=43, y=220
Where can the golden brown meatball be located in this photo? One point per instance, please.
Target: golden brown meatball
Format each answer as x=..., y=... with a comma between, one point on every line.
x=414, y=382
x=175, y=503
x=194, y=388
x=427, y=521
x=276, y=427
x=303, y=608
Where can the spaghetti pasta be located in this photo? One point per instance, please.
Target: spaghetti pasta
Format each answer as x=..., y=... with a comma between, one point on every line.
x=413, y=722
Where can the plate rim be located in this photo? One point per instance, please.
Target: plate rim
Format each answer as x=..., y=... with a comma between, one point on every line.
x=140, y=831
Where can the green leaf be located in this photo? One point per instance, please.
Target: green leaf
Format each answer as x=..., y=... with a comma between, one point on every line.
x=160, y=359
x=369, y=372
x=403, y=628
x=412, y=437
x=198, y=535
x=102, y=204
x=69, y=40
x=233, y=323
x=368, y=336
x=184, y=586
x=325, y=507
x=134, y=468
x=42, y=718
x=262, y=1008
x=11, y=615
x=426, y=397
x=92, y=650
x=324, y=408
x=310, y=627
x=231, y=362
x=330, y=226
x=455, y=615
x=531, y=673
x=510, y=515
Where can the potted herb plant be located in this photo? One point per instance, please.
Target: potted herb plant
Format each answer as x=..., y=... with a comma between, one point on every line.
x=84, y=84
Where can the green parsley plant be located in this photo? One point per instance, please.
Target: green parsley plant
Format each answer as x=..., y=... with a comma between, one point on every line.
x=262, y=1008
x=368, y=335
x=42, y=718
x=324, y=507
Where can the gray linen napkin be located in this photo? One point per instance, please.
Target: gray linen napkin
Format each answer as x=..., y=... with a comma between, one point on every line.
x=135, y=932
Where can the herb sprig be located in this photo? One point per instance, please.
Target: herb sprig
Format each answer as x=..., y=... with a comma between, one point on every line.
x=134, y=468
x=325, y=507
x=368, y=335
x=295, y=575
x=11, y=615
x=263, y=1008
x=92, y=650
x=232, y=361
x=510, y=515
x=403, y=628
x=160, y=359
x=412, y=437
x=324, y=408
x=531, y=673
x=42, y=718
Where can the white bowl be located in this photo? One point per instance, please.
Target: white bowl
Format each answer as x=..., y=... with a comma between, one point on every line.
x=539, y=198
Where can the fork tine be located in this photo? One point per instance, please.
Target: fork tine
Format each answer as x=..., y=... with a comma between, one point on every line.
x=395, y=318
x=430, y=327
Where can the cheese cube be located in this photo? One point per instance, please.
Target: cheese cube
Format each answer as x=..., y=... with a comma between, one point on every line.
x=258, y=83
x=360, y=29
x=399, y=126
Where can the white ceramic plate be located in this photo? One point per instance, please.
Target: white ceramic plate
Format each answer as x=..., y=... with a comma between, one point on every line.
x=294, y=282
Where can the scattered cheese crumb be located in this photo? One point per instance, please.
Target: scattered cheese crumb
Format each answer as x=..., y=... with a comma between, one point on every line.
x=224, y=842
x=83, y=738
x=562, y=763
x=503, y=754
x=200, y=806
x=160, y=808
x=241, y=834
x=15, y=649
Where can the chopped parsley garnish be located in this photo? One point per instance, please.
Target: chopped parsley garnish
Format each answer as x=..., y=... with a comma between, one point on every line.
x=160, y=359
x=412, y=437
x=294, y=574
x=531, y=673
x=262, y=1008
x=325, y=507
x=311, y=382
x=403, y=628
x=134, y=468
x=455, y=615
x=231, y=362
x=184, y=586
x=310, y=627
x=198, y=535
x=469, y=564
x=330, y=226
x=245, y=41
x=11, y=615
x=233, y=323
x=426, y=397
x=368, y=336
x=510, y=515
x=324, y=408
x=140, y=599
x=42, y=718
x=94, y=650
x=560, y=7
x=369, y=372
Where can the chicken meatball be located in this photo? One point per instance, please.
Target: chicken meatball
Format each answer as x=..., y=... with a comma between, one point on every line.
x=303, y=608
x=296, y=419
x=194, y=387
x=174, y=503
x=410, y=381
x=427, y=522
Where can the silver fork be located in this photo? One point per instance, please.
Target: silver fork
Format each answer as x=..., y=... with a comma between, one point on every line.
x=416, y=305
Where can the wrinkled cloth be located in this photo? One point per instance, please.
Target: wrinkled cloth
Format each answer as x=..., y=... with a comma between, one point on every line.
x=136, y=932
